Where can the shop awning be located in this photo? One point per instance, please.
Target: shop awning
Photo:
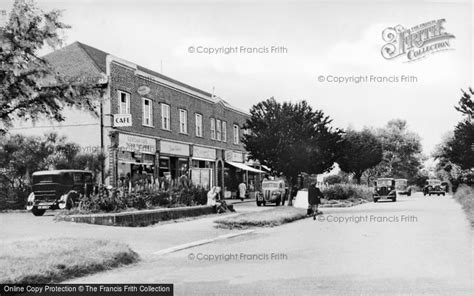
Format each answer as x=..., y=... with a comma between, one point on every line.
x=244, y=167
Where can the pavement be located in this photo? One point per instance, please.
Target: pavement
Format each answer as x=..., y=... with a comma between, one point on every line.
x=415, y=246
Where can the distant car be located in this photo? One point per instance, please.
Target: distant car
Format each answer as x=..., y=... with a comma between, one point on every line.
x=58, y=189
x=401, y=186
x=434, y=186
x=273, y=191
x=385, y=189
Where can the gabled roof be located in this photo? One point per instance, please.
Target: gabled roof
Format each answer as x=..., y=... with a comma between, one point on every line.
x=98, y=58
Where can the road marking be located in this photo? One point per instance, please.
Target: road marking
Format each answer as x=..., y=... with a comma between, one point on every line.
x=201, y=242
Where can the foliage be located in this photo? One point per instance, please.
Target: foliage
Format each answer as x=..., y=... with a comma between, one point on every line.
x=268, y=218
x=459, y=149
x=402, y=148
x=29, y=86
x=465, y=196
x=118, y=199
x=291, y=138
x=361, y=151
x=332, y=179
x=347, y=191
x=466, y=103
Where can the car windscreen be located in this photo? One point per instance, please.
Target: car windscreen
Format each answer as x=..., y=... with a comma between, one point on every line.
x=434, y=182
x=384, y=183
x=45, y=179
x=270, y=185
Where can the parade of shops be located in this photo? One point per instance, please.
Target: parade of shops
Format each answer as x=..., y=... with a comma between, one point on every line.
x=159, y=127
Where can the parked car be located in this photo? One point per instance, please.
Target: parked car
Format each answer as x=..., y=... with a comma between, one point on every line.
x=385, y=189
x=273, y=191
x=401, y=187
x=434, y=186
x=60, y=189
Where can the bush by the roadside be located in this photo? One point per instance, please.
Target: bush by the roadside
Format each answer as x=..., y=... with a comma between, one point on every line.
x=55, y=260
x=268, y=218
x=117, y=200
x=347, y=191
x=465, y=196
x=332, y=179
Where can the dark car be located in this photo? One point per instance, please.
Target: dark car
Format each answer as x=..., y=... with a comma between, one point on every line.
x=402, y=188
x=385, y=189
x=273, y=191
x=60, y=189
x=434, y=186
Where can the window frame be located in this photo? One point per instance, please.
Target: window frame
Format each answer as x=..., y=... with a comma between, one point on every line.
x=198, y=128
x=218, y=130
x=150, y=112
x=183, y=121
x=224, y=131
x=213, y=128
x=127, y=103
x=165, y=119
x=236, y=135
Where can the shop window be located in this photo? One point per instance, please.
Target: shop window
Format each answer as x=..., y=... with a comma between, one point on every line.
x=147, y=112
x=213, y=129
x=236, y=134
x=123, y=102
x=198, y=123
x=224, y=131
x=183, y=121
x=165, y=117
x=219, y=130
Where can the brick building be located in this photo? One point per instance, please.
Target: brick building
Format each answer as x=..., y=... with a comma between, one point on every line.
x=154, y=125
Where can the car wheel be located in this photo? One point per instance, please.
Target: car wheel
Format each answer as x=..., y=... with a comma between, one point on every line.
x=375, y=200
x=38, y=212
x=394, y=199
x=278, y=203
x=259, y=203
x=263, y=203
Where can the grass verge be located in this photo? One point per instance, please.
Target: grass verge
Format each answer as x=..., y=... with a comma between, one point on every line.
x=268, y=218
x=55, y=260
x=465, y=196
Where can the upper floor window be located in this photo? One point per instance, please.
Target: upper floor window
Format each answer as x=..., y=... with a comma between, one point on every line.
x=218, y=130
x=183, y=121
x=123, y=102
x=198, y=125
x=147, y=112
x=224, y=131
x=236, y=134
x=213, y=129
x=165, y=117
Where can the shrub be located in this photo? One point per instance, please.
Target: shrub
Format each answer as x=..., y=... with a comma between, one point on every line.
x=347, y=191
x=333, y=179
x=465, y=196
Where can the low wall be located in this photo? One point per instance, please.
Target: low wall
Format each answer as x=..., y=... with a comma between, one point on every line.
x=140, y=218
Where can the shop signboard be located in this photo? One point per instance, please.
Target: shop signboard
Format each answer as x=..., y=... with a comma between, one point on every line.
x=204, y=153
x=136, y=144
x=234, y=156
x=122, y=120
x=174, y=148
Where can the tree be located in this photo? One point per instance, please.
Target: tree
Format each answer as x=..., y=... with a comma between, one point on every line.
x=402, y=156
x=459, y=149
x=29, y=86
x=291, y=138
x=361, y=151
x=466, y=104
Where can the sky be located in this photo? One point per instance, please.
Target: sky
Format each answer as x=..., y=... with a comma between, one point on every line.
x=315, y=38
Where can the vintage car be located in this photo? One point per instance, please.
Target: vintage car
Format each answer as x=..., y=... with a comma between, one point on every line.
x=385, y=189
x=401, y=186
x=59, y=189
x=273, y=191
x=434, y=186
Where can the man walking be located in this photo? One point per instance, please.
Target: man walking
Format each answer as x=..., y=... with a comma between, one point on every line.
x=314, y=199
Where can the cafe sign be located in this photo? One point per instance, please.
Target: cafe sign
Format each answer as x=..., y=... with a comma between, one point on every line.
x=204, y=153
x=174, y=148
x=137, y=144
x=122, y=120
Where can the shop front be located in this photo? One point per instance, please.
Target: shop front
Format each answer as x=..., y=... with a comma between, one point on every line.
x=173, y=160
x=203, y=166
x=236, y=172
x=136, y=160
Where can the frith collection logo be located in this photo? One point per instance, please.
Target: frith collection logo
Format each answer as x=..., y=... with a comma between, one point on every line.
x=416, y=42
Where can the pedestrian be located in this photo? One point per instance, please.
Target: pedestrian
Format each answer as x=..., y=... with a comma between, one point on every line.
x=213, y=199
x=242, y=190
x=314, y=199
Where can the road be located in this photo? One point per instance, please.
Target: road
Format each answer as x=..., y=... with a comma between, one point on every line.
x=416, y=246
